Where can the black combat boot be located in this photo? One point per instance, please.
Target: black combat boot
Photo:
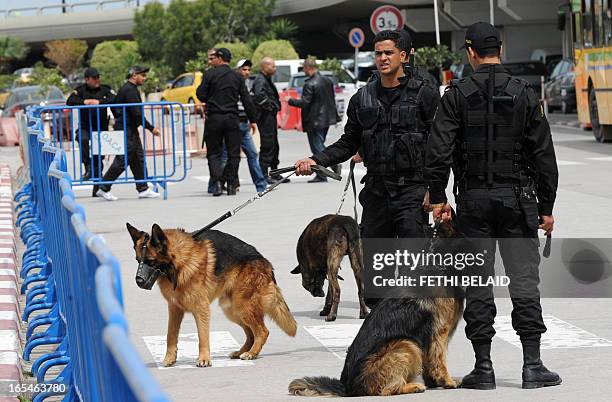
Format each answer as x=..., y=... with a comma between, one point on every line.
x=483, y=376
x=535, y=374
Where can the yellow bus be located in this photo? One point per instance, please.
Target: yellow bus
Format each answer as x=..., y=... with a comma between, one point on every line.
x=593, y=58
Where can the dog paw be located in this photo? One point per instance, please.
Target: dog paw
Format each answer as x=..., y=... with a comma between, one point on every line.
x=330, y=318
x=169, y=360
x=235, y=355
x=419, y=388
x=204, y=363
x=248, y=356
x=324, y=312
x=450, y=384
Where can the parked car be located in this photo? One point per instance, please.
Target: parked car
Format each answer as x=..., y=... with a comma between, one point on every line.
x=20, y=99
x=183, y=89
x=531, y=71
x=560, y=91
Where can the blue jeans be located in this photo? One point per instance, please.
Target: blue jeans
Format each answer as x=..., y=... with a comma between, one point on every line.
x=248, y=147
x=316, y=140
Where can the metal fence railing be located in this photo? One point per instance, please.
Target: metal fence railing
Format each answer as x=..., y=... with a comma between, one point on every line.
x=85, y=133
x=73, y=290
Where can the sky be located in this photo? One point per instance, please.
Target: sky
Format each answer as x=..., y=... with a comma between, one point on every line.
x=5, y=4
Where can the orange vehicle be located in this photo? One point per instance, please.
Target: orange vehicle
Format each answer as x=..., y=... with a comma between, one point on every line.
x=592, y=32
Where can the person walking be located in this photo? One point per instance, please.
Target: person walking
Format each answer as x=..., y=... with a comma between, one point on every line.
x=318, y=104
x=129, y=119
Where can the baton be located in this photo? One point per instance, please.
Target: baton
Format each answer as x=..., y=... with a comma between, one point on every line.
x=315, y=168
x=547, y=246
x=233, y=212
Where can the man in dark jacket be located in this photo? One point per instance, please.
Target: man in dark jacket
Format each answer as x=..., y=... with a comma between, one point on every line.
x=92, y=92
x=319, y=111
x=129, y=119
x=491, y=129
x=220, y=91
x=266, y=99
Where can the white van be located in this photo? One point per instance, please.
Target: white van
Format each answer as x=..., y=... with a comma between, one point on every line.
x=284, y=70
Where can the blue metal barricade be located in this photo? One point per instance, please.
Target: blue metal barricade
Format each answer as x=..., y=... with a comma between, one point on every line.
x=84, y=132
x=64, y=265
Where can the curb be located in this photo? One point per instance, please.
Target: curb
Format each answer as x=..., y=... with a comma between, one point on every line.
x=10, y=327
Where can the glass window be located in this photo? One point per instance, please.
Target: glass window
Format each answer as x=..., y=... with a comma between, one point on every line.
x=587, y=20
x=188, y=81
x=607, y=22
x=598, y=35
x=178, y=83
x=283, y=74
x=557, y=71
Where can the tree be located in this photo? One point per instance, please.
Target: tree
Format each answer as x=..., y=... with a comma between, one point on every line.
x=159, y=75
x=277, y=49
x=46, y=77
x=197, y=64
x=11, y=49
x=185, y=28
x=148, y=26
x=66, y=54
x=113, y=59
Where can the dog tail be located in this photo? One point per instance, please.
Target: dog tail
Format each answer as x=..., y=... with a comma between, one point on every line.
x=351, y=228
x=279, y=311
x=317, y=386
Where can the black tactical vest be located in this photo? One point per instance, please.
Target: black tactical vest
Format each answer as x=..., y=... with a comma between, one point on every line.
x=499, y=162
x=393, y=141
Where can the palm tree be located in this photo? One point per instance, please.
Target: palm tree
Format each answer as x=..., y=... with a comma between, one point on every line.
x=11, y=49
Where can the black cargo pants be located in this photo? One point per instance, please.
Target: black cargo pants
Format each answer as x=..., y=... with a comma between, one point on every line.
x=500, y=217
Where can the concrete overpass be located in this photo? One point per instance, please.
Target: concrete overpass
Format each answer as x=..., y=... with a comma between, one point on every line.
x=324, y=24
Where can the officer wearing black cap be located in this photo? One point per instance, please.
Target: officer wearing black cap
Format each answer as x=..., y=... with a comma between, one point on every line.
x=92, y=92
x=490, y=127
x=388, y=122
x=221, y=89
x=130, y=119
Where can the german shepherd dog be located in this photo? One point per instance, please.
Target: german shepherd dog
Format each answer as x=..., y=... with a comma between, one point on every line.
x=400, y=339
x=320, y=250
x=192, y=272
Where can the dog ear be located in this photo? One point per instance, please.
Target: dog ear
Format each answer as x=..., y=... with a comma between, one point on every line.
x=158, y=238
x=296, y=270
x=134, y=233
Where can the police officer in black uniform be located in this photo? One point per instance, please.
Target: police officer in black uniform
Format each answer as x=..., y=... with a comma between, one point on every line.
x=388, y=122
x=92, y=92
x=490, y=127
x=389, y=119
x=220, y=90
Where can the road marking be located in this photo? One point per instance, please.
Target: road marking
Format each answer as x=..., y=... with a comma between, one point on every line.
x=568, y=163
x=559, y=334
x=222, y=343
x=335, y=337
x=601, y=158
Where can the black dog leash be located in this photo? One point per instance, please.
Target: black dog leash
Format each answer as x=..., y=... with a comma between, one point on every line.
x=233, y=212
x=351, y=180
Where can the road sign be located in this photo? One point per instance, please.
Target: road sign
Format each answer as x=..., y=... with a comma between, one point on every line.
x=356, y=37
x=386, y=17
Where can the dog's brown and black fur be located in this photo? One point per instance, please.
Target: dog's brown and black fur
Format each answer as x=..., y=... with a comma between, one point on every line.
x=320, y=250
x=195, y=272
x=399, y=340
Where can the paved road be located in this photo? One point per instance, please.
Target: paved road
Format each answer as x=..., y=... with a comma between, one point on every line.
x=578, y=342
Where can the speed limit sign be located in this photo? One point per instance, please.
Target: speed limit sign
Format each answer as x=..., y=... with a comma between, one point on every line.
x=386, y=17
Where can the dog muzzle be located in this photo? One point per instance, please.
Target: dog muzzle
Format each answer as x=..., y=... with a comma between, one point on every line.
x=146, y=276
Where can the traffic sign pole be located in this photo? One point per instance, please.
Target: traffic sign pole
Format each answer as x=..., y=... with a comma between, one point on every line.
x=356, y=71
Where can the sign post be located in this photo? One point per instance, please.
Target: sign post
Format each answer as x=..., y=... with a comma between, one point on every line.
x=356, y=38
x=386, y=18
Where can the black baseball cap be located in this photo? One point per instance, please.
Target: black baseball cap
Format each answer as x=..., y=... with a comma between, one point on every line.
x=224, y=54
x=482, y=35
x=137, y=70
x=91, y=73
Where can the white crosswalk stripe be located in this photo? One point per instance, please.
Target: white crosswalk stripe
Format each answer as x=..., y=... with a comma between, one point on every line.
x=222, y=343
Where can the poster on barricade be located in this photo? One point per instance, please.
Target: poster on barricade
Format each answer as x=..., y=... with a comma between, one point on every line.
x=107, y=143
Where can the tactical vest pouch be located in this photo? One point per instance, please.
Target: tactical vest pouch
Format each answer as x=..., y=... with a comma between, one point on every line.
x=409, y=151
x=529, y=205
x=368, y=116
